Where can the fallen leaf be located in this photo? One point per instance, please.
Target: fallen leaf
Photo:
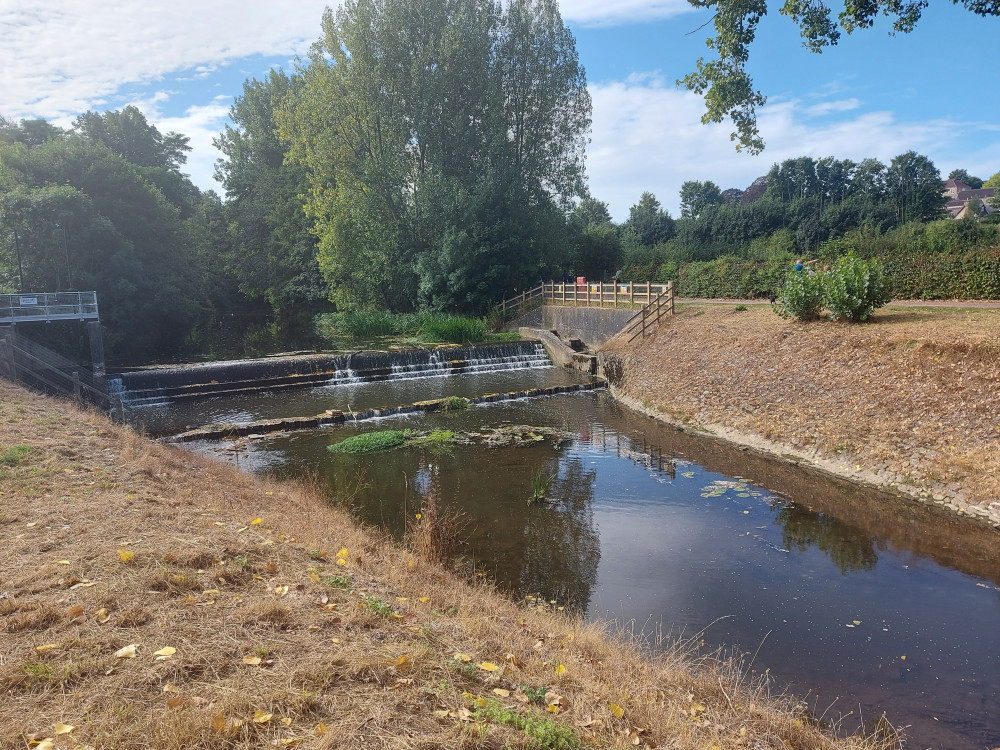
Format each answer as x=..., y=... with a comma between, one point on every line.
x=287, y=721
x=75, y=612
x=47, y=647
x=489, y=666
x=83, y=585
x=501, y=692
x=219, y=722
x=126, y=555
x=424, y=599
x=64, y=728
x=127, y=652
x=617, y=711
x=288, y=742
x=45, y=744
x=63, y=562
x=560, y=669
x=252, y=661
x=256, y=522
x=320, y=729
x=281, y=590
x=261, y=717
x=165, y=653
x=102, y=615
x=464, y=658
x=168, y=688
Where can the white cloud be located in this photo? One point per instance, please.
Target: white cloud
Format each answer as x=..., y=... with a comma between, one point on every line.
x=840, y=105
x=201, y=124
x=62, y=58
x=604, y=13
x=648, y=135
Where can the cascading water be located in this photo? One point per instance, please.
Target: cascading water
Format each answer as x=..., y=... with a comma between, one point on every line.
x=161, y=386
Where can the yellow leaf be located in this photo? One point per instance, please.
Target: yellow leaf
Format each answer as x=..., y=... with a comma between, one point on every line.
x=126, y=555
x=314, y=576
x=617, y=711
x=501, y=692
x=168, y=688
x=552, y=708
x=63, y=562
x=320, y=729
x=343, y=552
x=102, y=615
x=45, y=744
x=256, y=522
x=403, y=663
x=165, y=651
x=252, y=661
x=281, y=590
x=211, y=591
x=560, y=669
x=287, y=721
x=341, y=561
x=288, y=742
x=47, y=647
x=219, y=722
x=424, y=599
x=489, y=666
x=64, y=728
x=464, y=658
x=261, y=717
x=126, y=652
x=903, y=657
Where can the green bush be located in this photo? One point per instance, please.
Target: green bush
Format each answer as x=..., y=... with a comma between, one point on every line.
x=854, y=288
x=801, y=297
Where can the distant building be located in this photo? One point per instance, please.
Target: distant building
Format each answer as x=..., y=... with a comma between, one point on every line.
x=959, y=194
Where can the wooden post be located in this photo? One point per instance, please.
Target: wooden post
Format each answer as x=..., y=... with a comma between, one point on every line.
x=616, y=295
x=631, y=294
x=670, y=297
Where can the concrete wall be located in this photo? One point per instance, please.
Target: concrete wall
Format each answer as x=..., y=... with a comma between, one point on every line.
x=592, y=325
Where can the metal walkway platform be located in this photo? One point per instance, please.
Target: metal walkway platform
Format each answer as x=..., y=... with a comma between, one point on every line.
x=45, y=307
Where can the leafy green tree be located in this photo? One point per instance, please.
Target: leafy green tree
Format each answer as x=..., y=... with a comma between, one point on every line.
x=854, y=288
x=443, y=145
x=915, y=188
x=273, y=251
x=697, y=196
x=724, y=81
x=157, y=157
x=589, y=211
x=88, y=219
x=649, y=220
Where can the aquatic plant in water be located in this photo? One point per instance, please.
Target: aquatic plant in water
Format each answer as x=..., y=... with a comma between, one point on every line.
x=539, y=486
x=370, y=442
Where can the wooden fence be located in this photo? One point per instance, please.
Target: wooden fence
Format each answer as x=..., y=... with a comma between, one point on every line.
x=624, y=295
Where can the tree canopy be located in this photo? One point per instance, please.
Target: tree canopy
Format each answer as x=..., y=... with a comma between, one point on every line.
x=724, y=82
x=443, y=145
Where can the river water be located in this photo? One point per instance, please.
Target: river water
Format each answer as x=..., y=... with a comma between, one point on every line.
x=856, y=602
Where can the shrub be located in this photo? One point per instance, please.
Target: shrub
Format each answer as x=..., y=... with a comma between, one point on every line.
x=801, y=297
x=854, y=288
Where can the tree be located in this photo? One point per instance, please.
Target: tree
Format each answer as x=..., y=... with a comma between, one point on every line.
x=443, y=144
x=915, y=187
x=962, y=176
x=724, y=81
x=273, y=253
x=697, y=196
x=649, y=221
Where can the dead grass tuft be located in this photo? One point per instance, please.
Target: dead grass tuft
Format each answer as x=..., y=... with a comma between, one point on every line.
x=192, y=559
x=437, y=535
x=174, y=583
x=32, y=617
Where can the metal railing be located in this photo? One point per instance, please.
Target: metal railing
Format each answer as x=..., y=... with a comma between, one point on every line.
x=35, y=366
x=45, y=306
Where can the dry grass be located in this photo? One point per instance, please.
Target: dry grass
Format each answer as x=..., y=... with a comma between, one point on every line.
x=292, y=626
x=909, y=400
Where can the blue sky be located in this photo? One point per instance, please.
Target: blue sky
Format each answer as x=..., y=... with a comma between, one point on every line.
x=933, y=91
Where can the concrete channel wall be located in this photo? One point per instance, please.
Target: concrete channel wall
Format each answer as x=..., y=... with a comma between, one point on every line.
x=594, y=326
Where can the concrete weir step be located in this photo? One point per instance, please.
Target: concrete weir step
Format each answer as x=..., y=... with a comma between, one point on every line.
x=332, y=417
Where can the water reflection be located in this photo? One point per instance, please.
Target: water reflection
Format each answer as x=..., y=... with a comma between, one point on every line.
x=849, y=548
x=828, y=585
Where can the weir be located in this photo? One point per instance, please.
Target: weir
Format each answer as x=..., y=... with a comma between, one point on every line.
x=167, y=384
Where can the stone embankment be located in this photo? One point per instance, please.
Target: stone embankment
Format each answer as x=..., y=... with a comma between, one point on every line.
x=909, y=401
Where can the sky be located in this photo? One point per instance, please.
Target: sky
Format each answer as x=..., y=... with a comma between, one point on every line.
x=873, y=95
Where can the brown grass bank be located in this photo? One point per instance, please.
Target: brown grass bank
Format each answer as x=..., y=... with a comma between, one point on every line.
x=909, y=401
x=152, y=598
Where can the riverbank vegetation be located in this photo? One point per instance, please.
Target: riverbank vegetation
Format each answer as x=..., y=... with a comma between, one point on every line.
x=152, y=597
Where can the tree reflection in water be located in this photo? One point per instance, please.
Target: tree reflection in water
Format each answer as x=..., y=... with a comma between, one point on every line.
x=850, y=550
